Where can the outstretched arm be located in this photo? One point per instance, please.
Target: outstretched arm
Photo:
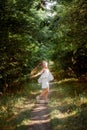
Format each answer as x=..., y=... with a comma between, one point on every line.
x=39, y=73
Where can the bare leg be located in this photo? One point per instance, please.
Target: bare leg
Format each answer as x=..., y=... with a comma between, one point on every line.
x=46, y=96
x=44, y=93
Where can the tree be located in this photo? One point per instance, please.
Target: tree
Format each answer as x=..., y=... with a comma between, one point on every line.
x=22, y=39
x=69, y=27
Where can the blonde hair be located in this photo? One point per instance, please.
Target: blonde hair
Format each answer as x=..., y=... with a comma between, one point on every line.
x=36, y=69
x=39, y=67
x=45, y=63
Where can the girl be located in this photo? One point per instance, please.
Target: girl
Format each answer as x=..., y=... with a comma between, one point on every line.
x=44, y=79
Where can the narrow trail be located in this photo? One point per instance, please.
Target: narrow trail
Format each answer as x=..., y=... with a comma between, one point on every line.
x=40, y=118
x=68, y=111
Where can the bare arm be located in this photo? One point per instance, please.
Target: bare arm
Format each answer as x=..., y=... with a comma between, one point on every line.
x=39, y=73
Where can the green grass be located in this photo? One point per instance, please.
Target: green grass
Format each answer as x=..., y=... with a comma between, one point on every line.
x=15, y=109
x=68, y=106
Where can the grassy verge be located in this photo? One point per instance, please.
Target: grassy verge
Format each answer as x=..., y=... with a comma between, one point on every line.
x=15, y=108
x=68, y=106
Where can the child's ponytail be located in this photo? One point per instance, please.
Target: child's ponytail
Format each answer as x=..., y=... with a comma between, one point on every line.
x=36, y=69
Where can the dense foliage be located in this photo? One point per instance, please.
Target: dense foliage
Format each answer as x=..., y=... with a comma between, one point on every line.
x=70, y=38
x=31, y=31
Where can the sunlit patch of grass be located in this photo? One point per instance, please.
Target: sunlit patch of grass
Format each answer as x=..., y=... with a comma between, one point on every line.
x=14, y=114
x=66, y=80
x=15, y=109
x=68, y=106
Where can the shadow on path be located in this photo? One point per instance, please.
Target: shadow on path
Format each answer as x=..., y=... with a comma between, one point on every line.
x=40, y=118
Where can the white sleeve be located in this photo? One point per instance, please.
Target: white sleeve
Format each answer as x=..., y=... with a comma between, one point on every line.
x=50, y=77
x=40, y=80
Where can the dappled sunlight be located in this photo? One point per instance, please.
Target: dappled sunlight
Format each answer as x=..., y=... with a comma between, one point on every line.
x=40, y=125
x=68, y=109
x=33, y=31
x=39, y=122
x=67, y=121
x=40, y=117
x=24, y=124
x=58, y=114
x=21, y=118
x=66, y=80
x=15, y=111
x=34, y=93
x=65, y=110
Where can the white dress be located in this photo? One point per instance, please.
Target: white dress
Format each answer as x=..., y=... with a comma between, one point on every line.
x=44, y=79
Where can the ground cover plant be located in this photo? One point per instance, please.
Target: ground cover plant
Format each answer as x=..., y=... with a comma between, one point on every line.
x=15, y=108
x=69, y=106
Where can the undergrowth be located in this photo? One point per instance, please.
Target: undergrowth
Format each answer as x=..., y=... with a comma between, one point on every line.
x=68, y=106
x=15, y=108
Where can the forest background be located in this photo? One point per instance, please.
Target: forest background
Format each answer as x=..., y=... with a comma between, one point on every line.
x=36, y=30
x=32, y=31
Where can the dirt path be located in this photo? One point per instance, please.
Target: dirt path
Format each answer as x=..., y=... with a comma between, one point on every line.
x=40, y=118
